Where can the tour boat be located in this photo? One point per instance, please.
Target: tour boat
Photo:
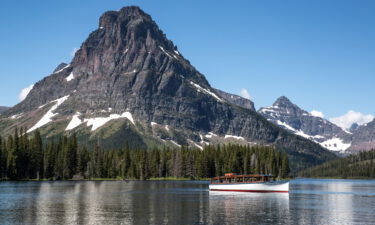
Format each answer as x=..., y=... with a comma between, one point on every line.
x=248, y=183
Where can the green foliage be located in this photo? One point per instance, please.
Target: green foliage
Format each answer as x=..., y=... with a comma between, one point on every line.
x=22, y=157
x=361, y=165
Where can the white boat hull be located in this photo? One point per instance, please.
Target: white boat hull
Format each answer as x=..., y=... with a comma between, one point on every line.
x=252, y=187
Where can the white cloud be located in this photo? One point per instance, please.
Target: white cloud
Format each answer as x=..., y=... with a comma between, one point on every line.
x=345, y=121
x=317, y=113
x=73, y=52
x=24, y=92
x=245, y=94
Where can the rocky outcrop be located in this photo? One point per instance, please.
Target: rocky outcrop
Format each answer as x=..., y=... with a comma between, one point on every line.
x=236, y=100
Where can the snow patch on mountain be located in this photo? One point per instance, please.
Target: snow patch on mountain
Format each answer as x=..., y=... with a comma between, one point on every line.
x=75, y=122
x=50, y=114
x=16, y=116
x=101, y=121
x=234, y=137
x=70, y=77
x=175, y=143
x=335, y=144
x=59, y=71
x=210, y=135
x=201, y=89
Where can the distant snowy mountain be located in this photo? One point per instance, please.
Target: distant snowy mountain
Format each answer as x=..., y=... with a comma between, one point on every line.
x=311, y=126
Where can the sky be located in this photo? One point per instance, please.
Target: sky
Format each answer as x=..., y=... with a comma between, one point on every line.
x=320, y=54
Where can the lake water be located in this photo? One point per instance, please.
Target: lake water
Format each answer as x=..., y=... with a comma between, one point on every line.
x=310, y=201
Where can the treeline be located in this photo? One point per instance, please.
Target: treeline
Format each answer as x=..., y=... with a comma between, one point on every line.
x=361, y=165
x=23, y=157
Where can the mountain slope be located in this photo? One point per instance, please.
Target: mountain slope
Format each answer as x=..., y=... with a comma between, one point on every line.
x=364, y=137
x=129, y=84
x=3, y=109
x=289, y=116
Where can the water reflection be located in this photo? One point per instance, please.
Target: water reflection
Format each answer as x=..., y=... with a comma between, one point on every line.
x=248, y=208
x=136, y=202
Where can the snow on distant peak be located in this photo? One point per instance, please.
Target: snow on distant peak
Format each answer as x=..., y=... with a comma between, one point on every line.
x=299, y=132
x=335, y=144
x=199, y=88
x=286, y=126
x=70, y=77
x=49, y=115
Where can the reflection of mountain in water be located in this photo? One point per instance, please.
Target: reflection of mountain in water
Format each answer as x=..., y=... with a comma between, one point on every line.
x=249, y=208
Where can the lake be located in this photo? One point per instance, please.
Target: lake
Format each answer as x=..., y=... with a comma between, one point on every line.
x=310, y=201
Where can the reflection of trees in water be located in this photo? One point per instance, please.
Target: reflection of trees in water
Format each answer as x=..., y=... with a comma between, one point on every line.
x=170, y=203
x=249, y=208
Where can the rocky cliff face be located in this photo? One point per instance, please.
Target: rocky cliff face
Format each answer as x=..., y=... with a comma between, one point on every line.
x=129, y=84
x=236, y=100
x=289, y=116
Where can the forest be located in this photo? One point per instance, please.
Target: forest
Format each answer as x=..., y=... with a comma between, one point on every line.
x=30, y=158
x=361, y=165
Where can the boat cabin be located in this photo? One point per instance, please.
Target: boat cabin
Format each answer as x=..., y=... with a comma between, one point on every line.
x=232, y=178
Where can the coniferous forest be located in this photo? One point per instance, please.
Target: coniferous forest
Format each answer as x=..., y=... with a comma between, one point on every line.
x=361, y=165
x=24, y=157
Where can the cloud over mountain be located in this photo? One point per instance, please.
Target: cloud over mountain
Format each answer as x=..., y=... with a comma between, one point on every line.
x=345, y=121
x=24, y=92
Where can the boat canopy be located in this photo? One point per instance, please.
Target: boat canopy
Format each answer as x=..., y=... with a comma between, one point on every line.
x=246, y=178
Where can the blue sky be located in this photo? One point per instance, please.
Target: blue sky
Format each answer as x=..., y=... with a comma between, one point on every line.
x=320, y=54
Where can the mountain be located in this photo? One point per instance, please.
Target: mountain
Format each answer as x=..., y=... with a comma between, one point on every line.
x=3, y=109
x=298, y=121
x=364, y=137
x=129, y=84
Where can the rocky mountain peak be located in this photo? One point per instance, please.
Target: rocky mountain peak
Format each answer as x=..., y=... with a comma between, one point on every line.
x=284, y=102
